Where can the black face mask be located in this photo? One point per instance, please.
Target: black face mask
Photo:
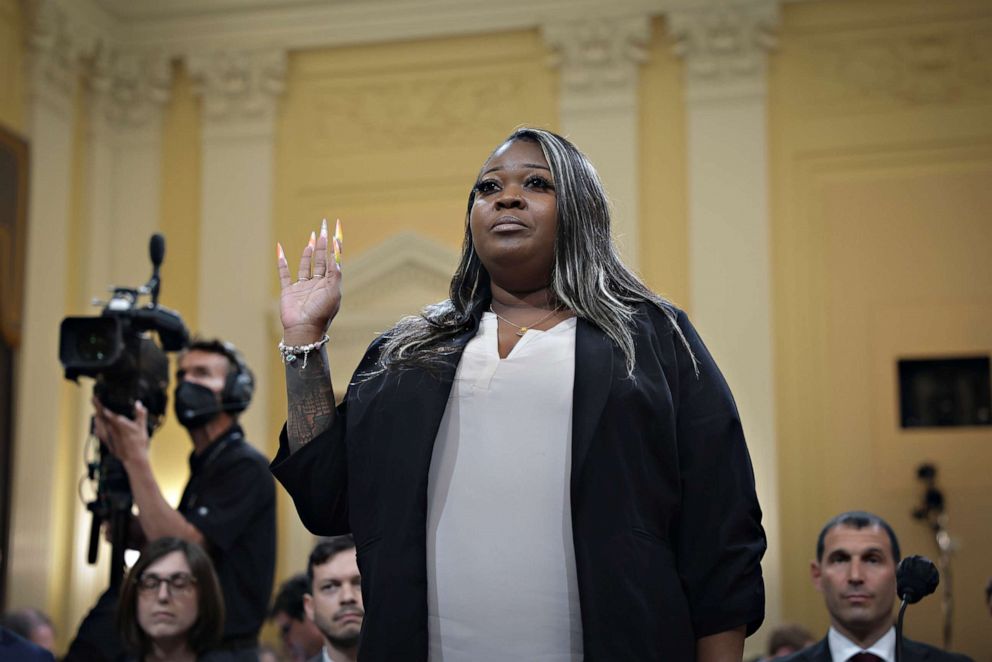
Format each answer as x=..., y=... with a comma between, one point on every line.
x=196, y=405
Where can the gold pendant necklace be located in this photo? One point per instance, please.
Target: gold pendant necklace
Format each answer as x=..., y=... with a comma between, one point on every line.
x=521, y=330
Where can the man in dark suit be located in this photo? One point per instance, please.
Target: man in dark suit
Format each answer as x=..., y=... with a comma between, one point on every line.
x=855, y=570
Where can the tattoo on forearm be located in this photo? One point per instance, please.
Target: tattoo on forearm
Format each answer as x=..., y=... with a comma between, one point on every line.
x=311, y=399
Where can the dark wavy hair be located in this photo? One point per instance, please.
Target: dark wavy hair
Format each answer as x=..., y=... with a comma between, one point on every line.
x=209, y=625
x=858, y=519
x=588, y=275
x=324, y=551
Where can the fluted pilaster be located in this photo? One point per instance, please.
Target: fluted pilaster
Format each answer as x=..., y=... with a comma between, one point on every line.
x=240, y=93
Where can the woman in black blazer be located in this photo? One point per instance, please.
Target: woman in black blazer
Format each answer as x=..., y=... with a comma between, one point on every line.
x=662, y=536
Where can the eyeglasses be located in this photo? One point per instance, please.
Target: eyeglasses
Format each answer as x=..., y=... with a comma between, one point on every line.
x=180, y=582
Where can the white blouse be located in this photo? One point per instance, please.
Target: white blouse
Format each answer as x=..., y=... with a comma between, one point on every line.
x=500, y=559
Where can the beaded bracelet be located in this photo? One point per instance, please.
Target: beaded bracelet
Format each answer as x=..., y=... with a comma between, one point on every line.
x=290, y=352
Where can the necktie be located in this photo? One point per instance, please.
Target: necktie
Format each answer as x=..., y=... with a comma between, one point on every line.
x=865, y=657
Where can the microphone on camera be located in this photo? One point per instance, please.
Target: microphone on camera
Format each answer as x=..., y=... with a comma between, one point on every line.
x=156, y=251
x=916, y=578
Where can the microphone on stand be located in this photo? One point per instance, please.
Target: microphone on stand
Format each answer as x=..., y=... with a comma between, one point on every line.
x=916, y=578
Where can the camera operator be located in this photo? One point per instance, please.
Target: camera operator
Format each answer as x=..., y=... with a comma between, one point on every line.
x=228, y=505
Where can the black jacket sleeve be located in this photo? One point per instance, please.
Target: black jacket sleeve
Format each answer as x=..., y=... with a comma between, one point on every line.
x=720, y=538
x=316, y=476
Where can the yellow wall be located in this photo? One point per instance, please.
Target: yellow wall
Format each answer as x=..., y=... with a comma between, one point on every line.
x=881, y=131
x=180, y=225
x=664, y=231
x=12, y=90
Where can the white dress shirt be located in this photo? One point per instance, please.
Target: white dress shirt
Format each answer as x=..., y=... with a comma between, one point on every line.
x=501, y=572
x=843, y=649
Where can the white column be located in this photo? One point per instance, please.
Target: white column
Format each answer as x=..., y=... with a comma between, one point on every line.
x=240, y=91
x=129, y=91
x=599, y=59
x=35, y=544
x=122, y=178
x=724, y=46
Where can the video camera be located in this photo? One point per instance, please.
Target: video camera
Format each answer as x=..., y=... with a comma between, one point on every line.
x=108, y=347
x=115, y=348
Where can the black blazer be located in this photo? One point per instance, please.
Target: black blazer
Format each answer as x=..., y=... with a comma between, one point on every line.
x=666, y=524
x=913, y=652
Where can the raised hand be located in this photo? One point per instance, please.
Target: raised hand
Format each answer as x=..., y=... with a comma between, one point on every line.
x=308, y=305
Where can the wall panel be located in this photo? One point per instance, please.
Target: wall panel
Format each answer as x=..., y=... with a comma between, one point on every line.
x=882, y=150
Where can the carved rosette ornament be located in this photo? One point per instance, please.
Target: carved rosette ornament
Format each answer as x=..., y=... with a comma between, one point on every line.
x=724, y=43
x=599, y=56
x=239, y=85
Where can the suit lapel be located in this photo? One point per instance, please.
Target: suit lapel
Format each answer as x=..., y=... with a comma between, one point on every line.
x=593, y=378
x=821, y=651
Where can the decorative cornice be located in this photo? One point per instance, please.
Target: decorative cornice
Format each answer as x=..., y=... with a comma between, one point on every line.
x=322, y=24
x=72, y=42
x=53, y=56
x=239, y=85
x=599, y=56
x=130, y=88
x=724, y=42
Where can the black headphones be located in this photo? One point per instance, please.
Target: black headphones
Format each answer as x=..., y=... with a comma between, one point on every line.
x=240, y=383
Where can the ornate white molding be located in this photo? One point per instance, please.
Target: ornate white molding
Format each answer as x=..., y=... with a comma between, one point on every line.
x=598, y=56
x=935, y=64
x=239, y=85
x=72, y=42
x=189, y=27
x=53, y=57
x=724, y=43
x=130, y=88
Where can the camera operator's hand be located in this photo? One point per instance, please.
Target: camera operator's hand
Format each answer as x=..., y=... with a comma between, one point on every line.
x=126, y=439
x=307, y=306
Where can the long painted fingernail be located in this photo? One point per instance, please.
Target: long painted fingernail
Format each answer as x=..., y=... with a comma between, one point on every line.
x=313, y=239
x=337, y=232
x=323, y=228
x=337, y=251
x=280, y=255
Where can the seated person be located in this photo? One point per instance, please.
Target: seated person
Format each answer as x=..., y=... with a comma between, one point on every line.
x=15, y=647
x=855, y=570
x=334, y=599
x=171, y=606
x=301, y=639
x=33, y=625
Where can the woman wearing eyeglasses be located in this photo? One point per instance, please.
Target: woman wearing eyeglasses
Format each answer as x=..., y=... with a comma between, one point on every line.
x=171, y=607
